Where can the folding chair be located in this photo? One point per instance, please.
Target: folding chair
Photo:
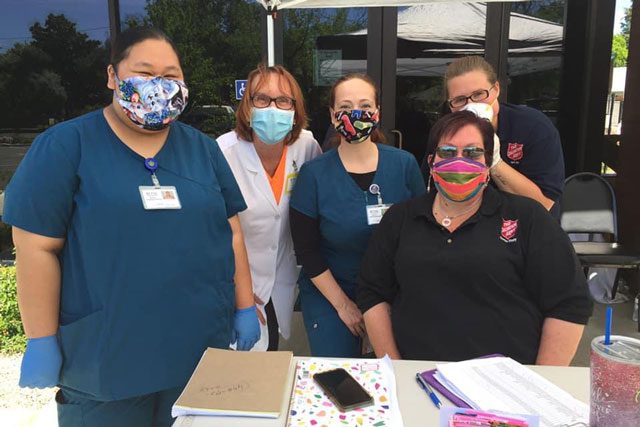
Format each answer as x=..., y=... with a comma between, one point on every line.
x=589, y=206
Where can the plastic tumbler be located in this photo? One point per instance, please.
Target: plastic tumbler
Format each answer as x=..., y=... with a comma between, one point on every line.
x=615, y=382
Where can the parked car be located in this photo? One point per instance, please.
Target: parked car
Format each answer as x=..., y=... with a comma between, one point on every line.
x=211, y=119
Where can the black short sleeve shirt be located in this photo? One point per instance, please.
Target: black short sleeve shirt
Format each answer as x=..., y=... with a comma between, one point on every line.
x=485, y=288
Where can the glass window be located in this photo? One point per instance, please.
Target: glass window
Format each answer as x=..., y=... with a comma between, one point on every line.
x=320, y=46
x=430, y=36
x=535, y=54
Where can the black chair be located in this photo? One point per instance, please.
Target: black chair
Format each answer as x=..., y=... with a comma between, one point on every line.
x=589, y=206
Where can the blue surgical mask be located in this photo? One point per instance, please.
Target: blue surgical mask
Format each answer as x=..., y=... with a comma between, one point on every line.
x=271, y=124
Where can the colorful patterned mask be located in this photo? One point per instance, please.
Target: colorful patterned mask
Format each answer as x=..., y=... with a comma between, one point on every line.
x=356, y=125
x=459, y=179
x=154, y=103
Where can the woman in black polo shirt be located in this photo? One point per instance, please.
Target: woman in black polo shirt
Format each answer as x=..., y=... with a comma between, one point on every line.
x=467, y=270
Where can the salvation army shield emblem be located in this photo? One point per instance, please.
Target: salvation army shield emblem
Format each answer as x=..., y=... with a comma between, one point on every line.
x=515, y=151
x=509, y=230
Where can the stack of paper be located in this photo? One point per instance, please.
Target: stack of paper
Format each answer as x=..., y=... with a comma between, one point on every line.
x=502, y=384
x=311, y=407
x=237, y=383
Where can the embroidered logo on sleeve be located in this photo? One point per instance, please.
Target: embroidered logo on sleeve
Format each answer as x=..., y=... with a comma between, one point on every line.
x=509, y=230
x=515, y=151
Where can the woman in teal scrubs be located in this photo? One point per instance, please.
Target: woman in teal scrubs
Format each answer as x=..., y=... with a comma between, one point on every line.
x=337, y=201
x=130, y=256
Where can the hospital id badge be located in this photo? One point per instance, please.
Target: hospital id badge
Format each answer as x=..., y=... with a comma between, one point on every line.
x=163, y=197
x=290, y=182
x=375, y=212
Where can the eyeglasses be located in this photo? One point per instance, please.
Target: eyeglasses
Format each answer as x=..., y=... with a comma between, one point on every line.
x=282, y=102
x=449, y=152
x=477, y=96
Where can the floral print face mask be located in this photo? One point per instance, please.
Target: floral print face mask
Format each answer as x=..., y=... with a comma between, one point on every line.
x=151, y=103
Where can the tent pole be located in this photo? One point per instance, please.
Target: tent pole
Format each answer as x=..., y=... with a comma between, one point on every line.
x=271, y=56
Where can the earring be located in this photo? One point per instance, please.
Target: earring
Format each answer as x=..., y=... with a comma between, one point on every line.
x=429, y=184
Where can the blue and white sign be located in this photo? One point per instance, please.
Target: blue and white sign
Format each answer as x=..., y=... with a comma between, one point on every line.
x=241, y=85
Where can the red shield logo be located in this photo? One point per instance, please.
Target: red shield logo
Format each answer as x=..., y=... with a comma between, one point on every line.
x=515, y=151
x=509, y=229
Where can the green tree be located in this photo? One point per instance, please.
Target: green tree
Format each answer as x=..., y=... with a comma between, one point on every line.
x=550, y=10
x=59, y=74
x=218, y=40
x=619, y=51
x=80, y=62
x=33, y=92
x=625, y=24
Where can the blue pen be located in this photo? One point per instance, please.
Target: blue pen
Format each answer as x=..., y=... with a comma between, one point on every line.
x=423, y=385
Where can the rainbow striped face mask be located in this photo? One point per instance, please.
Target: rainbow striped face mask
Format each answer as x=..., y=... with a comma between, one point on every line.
x=459, y=179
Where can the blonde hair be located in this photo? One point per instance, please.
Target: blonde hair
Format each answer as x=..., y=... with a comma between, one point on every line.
x=465, y=65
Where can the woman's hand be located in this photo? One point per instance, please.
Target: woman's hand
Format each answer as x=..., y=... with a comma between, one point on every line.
x=41, y=363
x=351, y=316
x=246, y=330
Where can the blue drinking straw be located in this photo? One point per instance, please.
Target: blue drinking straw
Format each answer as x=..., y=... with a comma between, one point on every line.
x=607, y=326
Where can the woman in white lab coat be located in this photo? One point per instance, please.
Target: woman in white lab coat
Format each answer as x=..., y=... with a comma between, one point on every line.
x=265, y=152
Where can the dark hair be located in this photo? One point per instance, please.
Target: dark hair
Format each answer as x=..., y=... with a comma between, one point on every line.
x=376, y=135
x=259, y=76
x=131, y=36
x=450, y=124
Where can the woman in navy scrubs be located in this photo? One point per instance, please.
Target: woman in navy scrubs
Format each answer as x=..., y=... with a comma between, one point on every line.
x=528, y=159
x=130, y=256
x=337, y=201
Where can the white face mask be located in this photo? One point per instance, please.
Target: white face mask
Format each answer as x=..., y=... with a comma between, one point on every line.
x=480, y=109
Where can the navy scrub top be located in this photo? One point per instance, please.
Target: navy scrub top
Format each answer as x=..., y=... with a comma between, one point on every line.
x=325, y=191
x=143, y=292
x=530, y=144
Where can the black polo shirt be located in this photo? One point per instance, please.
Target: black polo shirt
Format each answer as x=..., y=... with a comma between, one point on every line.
x=485, y=288
x=530, y=144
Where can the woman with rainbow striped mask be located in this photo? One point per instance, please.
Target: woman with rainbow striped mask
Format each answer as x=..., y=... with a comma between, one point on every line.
x=467, y=270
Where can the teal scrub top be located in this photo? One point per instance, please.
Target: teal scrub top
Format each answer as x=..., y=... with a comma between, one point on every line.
x=325, y=191
x=143, y=292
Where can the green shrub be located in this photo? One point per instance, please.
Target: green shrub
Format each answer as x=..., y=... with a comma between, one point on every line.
x=12, y=339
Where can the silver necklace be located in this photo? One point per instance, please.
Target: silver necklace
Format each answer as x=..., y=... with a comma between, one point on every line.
x=446, y=221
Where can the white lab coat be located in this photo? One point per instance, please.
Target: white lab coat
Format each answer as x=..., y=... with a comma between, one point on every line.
x=265, y=224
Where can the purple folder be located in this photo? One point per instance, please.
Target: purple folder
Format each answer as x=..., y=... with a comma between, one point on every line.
x=428, y=376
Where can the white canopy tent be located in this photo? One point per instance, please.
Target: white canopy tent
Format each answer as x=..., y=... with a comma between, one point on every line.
x=301, y=4
x=273, y=5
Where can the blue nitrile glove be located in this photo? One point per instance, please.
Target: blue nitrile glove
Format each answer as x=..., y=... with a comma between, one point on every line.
x=246, y=329
x=41, y=363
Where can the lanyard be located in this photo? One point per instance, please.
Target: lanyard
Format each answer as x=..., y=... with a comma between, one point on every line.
x=152, y=165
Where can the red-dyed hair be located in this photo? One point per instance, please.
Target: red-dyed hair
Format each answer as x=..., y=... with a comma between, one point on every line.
x=258, y=78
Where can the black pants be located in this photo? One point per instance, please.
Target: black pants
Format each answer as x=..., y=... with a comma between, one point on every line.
x=272, y=326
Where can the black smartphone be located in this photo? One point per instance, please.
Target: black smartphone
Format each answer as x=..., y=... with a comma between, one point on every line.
x=343, y=390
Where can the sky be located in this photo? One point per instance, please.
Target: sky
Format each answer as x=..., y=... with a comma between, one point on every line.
x=92, y=16
x=621, y=5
